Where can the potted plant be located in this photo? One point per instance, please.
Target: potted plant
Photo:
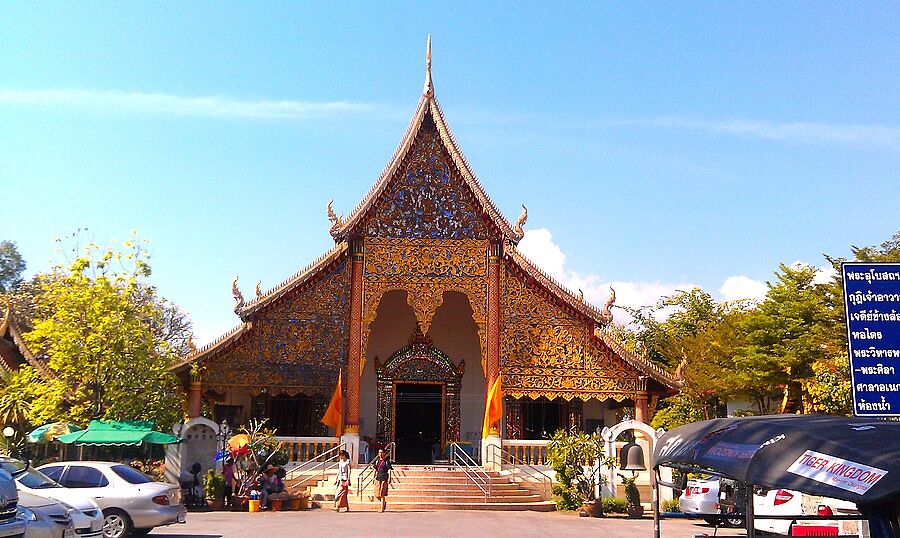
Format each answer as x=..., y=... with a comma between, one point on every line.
x=632, y=497
x=214, y=488
x=574, y=457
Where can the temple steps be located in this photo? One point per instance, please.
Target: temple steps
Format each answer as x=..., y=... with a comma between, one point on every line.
x=434, y=488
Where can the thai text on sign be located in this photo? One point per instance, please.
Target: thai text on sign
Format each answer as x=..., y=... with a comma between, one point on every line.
x=840, y=473
x=872, y=307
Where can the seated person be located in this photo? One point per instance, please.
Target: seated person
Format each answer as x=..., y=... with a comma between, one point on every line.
x=275, y=478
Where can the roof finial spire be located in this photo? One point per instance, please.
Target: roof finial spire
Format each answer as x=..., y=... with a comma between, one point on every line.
x=429, y=87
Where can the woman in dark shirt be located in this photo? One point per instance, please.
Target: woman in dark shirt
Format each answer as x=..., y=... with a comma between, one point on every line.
x=382, y=467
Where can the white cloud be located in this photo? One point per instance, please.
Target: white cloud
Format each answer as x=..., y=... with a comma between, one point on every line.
x=538, y=246
x=166, y=104
x=824, y=275
x=795, y=132
x=741, y=287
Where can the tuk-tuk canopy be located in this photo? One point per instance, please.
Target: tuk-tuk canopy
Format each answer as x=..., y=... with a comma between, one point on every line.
x=855, y=459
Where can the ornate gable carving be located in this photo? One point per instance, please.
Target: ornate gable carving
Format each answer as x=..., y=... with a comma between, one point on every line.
x=298, y=345
x=550, y=352
x=427, y=198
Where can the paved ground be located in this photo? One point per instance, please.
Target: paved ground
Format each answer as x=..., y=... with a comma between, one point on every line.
x=463, y=524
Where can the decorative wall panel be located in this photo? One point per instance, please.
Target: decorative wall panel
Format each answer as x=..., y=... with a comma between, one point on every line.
x=296, y=346
x=425, y=269
x=550, y=352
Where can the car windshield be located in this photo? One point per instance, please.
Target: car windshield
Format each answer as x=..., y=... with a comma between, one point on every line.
x=13, y=466
x=36, y=480
x=130, y=474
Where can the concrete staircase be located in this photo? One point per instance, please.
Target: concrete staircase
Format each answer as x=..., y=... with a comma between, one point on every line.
x=436, y=488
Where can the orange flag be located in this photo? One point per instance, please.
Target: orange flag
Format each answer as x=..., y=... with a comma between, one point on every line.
x=493, y=410
x=334, y=413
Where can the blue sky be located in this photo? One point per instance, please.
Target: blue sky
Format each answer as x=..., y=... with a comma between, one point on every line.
x=656, y=147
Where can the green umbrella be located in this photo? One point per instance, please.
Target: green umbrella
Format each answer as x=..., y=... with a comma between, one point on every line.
x=49, y=432
x=119, y=432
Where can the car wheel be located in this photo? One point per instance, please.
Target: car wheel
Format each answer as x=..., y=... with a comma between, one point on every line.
x=116, y=523
x=734, y=523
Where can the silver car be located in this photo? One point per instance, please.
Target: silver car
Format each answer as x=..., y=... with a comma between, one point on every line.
x=11, y=525
x=45, y=517
x=701, y=498
x=131, y=502
x=86, y=515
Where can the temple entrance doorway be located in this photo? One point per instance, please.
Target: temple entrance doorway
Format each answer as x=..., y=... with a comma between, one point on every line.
x=418, y=399
x=418, y=419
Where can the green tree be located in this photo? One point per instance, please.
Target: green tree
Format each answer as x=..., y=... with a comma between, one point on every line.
x=694, y=335
x=27, y=400
x=11, y=266
x=98, y=325
x=786, y=334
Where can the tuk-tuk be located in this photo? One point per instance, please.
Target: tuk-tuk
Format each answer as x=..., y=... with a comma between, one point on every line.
x=852, y=459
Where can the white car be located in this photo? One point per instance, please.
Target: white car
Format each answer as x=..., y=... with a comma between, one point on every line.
x=45, y=518
x=86, y=515
x=788, y=503
x=131, y=502
x=701, y=497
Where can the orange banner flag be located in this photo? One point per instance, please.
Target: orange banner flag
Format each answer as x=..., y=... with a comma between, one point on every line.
x=334, y=413
x=493, y=410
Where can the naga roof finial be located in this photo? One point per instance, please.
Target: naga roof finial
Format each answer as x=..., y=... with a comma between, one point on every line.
x=679, y=371
x=258, y=291
x=336, y=221
x=581, y=294
x=520, y=222
x=606, y=315
x=428, y=90
x=238, y=296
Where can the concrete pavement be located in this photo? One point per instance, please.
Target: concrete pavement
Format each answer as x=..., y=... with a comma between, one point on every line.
x=462, y=524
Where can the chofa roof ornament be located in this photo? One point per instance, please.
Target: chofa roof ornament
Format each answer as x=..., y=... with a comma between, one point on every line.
x=336, y=221
x=238, y=296
x=606, y=314
x=518, y=229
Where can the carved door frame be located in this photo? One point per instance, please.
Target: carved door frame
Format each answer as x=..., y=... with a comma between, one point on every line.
x=419, y=363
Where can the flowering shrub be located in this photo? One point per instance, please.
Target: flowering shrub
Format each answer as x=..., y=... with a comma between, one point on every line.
x=155, y=469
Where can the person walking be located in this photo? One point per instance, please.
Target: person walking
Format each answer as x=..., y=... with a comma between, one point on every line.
x=228, y=471
x=382, y=467
x=343, y=482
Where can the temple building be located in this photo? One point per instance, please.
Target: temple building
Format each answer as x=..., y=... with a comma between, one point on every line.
x=421, y=304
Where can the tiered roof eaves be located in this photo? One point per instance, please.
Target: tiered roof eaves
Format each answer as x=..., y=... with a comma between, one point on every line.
x=297, y=279
x=211, y=348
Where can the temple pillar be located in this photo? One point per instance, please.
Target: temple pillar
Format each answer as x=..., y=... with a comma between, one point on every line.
x=355, y=350
x=642, y=409
x=492, y=364
x=195, y=397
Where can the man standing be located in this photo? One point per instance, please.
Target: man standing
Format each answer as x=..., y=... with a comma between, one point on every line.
x=382, y=477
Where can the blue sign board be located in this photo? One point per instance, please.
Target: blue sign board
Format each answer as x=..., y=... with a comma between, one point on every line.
x=872, y=307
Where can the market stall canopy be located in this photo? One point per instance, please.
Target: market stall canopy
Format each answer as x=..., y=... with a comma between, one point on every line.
x=114, y=432
x=49, y=432
x=855, y=459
